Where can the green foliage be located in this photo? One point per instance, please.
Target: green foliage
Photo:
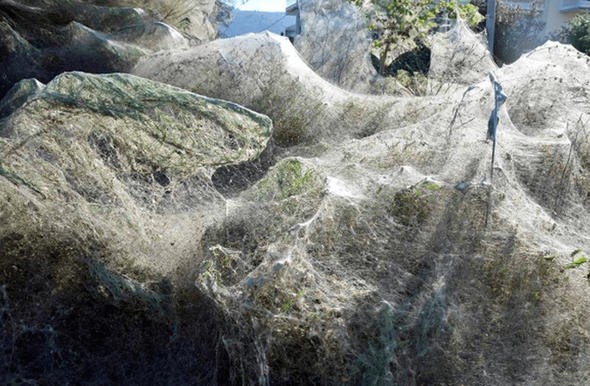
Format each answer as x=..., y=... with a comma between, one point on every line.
x=576, y=262
x=396, y=20
x=287, y=306
x=414, y=83
x=577, y=33
x=288, y=178
x=292, y=180
x=465, y=11
x=431, y=186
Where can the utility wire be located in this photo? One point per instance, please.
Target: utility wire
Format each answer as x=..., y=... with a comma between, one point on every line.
x=265, y=28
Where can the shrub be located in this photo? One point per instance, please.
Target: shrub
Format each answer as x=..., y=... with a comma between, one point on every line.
x=577, y=33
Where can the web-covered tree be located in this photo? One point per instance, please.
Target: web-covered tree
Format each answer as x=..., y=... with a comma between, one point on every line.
x=398, y=20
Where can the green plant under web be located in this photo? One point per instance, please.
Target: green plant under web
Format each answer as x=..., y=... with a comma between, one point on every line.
x=576, y=261
x=396, y=20
x=577, y=33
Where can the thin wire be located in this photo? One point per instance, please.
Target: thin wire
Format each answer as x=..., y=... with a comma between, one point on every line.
x=264, y=29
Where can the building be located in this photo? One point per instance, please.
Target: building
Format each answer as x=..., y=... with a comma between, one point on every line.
x=554, y=13
x=293, y=9
x=537, y=22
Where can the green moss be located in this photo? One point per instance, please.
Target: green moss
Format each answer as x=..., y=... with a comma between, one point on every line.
x=289, y=178
x=292, y=180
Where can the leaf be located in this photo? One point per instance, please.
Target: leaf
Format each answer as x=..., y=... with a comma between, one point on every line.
x=580, y=260
x=576, y=263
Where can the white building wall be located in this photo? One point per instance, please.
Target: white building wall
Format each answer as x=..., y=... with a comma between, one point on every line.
x=531, y=31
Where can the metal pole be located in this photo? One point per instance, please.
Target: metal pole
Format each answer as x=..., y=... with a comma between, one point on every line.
x=491, y=24
x=496, y=117
x=491, y=186
x=493, y=156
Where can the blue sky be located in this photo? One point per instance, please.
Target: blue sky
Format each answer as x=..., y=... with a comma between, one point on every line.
x=264, y=5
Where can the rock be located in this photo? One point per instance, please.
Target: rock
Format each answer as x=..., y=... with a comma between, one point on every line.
x=154, y=36
x=18, y=95
x=106, y=19
x=105, y=191
x=48, y=38
x=149, y=133
x=194, y=18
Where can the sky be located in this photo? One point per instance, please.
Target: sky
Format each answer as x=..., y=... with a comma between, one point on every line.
x=264, y=5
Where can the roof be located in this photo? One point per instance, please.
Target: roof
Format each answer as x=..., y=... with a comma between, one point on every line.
x=293, y=8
